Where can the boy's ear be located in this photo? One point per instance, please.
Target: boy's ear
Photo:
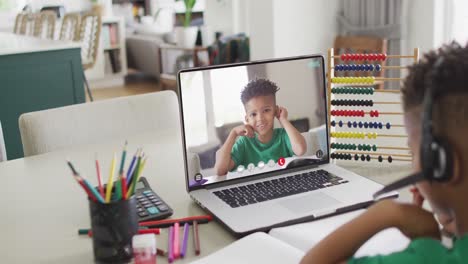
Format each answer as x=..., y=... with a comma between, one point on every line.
x=456, y=171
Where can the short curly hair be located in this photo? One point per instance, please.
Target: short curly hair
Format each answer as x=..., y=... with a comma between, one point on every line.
x=258, y=87
x=450, y=83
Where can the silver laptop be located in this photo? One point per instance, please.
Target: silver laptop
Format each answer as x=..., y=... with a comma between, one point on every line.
x=250, y=170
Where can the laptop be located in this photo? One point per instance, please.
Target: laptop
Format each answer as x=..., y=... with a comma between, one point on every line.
x=274, y=188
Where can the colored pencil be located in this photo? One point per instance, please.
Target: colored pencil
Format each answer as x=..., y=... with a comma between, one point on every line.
x=110, y=182
x=185, y=240
x=201, y=219
x=176, y=247
x=134, y=178
x=132, y=167
x=91, y=192
x=155, y=231
x=98, y=172
x=118, y=185
x=196, y=238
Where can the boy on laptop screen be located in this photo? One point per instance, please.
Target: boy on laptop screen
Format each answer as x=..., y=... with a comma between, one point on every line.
x=243, y=124
x=257, y=141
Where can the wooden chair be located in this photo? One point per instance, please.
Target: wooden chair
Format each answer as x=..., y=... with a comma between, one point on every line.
x=70, y=26
x=360, y=44
x=18, y=22
x=27, y=24
x=44, y=25
x=89, y=34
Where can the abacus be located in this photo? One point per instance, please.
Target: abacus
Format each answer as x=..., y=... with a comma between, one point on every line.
x=365, y=124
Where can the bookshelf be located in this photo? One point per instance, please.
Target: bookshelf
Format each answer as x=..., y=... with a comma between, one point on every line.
x=111, y=62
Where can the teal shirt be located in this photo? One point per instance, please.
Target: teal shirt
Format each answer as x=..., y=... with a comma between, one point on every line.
x=423, y=250
x=250, y=150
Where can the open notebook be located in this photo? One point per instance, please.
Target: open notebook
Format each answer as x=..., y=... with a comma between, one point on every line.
x=289, y=244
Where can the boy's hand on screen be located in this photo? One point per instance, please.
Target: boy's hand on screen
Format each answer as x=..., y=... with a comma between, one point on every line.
x=281, y=113
x=244, y=130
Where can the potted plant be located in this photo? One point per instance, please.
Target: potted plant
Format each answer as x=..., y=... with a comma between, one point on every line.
x=187, y=35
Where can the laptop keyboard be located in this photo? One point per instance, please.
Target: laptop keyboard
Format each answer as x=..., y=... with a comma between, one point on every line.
x=277, y=188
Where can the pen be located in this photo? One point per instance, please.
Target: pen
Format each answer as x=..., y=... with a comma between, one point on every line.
x=175, y=246
x=196, y=238
x=201, y=219
x=185, y=240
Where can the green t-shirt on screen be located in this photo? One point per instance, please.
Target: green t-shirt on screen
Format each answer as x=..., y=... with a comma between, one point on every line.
x=423, y=250
x=250, y=150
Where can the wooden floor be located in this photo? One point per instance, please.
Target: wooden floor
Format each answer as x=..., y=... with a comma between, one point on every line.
x=131, y=87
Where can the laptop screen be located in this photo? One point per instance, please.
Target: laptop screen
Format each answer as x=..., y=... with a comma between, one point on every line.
x=252, y=118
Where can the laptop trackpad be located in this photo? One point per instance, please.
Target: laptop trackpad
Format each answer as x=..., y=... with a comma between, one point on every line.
x=309, y=202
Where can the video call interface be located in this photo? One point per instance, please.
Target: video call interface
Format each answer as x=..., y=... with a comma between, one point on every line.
x=246, y=120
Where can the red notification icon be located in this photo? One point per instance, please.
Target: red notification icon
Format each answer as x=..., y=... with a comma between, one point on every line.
x=281, y=161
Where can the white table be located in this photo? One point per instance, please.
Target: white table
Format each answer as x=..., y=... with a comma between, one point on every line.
x=43, y=207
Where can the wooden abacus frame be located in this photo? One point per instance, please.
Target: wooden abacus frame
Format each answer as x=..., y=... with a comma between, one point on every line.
x=331, y=70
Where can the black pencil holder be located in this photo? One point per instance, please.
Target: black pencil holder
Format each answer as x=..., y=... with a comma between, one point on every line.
x=113, y=225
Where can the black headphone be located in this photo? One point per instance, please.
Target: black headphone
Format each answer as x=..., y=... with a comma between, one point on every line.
x=436, y=152
x=436, y=155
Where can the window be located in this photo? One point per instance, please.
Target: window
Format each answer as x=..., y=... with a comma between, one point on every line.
x=227, y=85
x=460, y=21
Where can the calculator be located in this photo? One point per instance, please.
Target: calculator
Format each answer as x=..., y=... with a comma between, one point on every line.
x=149, y=205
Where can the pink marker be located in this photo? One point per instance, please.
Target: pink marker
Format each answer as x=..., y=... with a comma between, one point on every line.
x=176, y=247
x=170, y=249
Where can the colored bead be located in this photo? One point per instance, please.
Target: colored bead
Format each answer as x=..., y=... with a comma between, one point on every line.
x=376, y=113
x=380, y=159
x=363, y=158
x=384, y=56
x=371, y=125
x=380, y=125
x=349, y=123
x=359, y=147
x=340, y=123
x=374, y=147
x=368, y=158
x=356, y=157
x=378, y=67
x=388, y=125
x=332, y=123
x=366, y=125
x=390, y=159
x=360, y=124
x=354, y=124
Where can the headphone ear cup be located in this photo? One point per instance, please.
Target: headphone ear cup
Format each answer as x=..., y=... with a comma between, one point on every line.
x=442, y=160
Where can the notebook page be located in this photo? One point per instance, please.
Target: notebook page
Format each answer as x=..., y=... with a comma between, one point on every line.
x=255, y=248
x=305, y=236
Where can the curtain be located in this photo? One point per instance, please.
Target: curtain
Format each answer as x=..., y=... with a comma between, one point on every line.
x=378, y=18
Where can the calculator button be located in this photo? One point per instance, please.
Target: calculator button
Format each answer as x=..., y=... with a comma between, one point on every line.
x=158, y=202
x=147, y=205
x=141, y=210
x=143, y=214
x=154, y=200
x=145, y=202
x=152, y=210
x=163, y=208
x=140, y=197
x=147, y=192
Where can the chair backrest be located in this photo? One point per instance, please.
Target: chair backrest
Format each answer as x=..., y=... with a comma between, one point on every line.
x=88, y=35
x=70, y=26
x=18, y=23
x=44, y=26
x=360, y=44
x=3, y=155
x=27, y=24
x=102, y=121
